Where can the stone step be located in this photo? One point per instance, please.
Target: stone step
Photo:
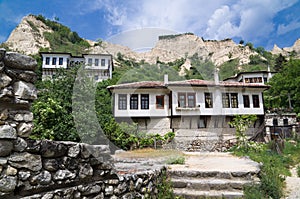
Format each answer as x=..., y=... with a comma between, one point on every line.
x=196, y=194
x=208, y=184
x=188, y=173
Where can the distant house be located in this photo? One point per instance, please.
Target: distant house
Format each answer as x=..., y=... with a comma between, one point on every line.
x=256, y=77
x=98, y=66
x=195, y=104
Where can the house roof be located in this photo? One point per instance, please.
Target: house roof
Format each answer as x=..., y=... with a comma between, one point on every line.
x=143, y=84
x=250, y=72
x=185, y=83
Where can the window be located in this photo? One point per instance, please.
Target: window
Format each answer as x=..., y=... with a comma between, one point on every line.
x=47, y=60
x=225, y=100
x=60, y=61
x=181, y=100
x=191, y=100
x=144, y=101
x=122, y=101
x=187, y=100
x=230, y=100
x=96, y=62
x=275, y=122
x=246, y=101
x=208, y=100
x=102, y=62
x=134, y=98
x=53, y=60
x=255, y=99
x=160, y=101
x=234, y=100
x=90, y=61
x=285, y=122
x=96, y=77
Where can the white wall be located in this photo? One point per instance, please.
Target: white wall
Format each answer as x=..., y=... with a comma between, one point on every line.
x=217, y=101
x=151, y=112
x=57, y=56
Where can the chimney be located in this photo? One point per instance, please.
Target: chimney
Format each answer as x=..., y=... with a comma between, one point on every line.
x=216, y=76
x=166, y=79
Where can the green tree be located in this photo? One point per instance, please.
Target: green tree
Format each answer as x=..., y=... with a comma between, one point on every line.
x=285, y=86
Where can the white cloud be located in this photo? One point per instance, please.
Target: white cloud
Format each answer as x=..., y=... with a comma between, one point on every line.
x=215, y=19
x=282, y=29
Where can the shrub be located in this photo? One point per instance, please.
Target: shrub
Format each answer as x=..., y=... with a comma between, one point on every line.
x=177, y=159
x=298, y=170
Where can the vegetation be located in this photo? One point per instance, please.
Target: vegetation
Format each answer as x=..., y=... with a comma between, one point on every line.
x=62, y=39
x=177, y=159
x=285, y=87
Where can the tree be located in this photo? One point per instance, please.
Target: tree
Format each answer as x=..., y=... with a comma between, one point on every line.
x=279, y=62
x=284, y=84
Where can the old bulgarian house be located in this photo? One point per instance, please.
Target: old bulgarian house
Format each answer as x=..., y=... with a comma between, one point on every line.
x=98, y=66
x=189, y=106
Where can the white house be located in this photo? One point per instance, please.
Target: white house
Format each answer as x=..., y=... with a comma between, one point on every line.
x=256, y=77
x=190, y=104
x=98, y=66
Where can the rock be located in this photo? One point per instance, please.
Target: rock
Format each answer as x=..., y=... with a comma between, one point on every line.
x=74, y=151
x=2, y=53
x=27, y=76
x=63, y=175
x=10, y=171
x=50, y=164
x=88, y=190
x=44, y=178
x=71, y=163
x=19, y=61
x=26, y=160
x=23, y=175
x=25, y=91
x=5, y=147
x=8, y=183
x=4, y=115
x=52, y=149
x=138, y=184
x=85, y=171
x=20, y=144
x=33, y=146
x=109, y=190
x=94, y=150
x=24, y=129
x=8, y=132
x=4, y=80
x=6, y=94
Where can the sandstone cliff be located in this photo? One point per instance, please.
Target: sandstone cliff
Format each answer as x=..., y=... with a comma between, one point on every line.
x=293, y=50
x=28, y=37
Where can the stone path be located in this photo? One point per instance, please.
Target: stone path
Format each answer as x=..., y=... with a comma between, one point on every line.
x=213, y=175
x=292, y=190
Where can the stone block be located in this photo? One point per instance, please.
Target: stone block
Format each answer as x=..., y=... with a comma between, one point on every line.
x=63, y=175
x=10, y=171
x=50, y=164
x=19, y=61
x=25, y=91
x=5, y=147
x=74, y=151
x=8, y=183
x=24, y=129
x=26, y=160
x=52, y=149
x=7, y=132
x=19, y=144
x=4, y=80
x=44, y=178
x=85, y=171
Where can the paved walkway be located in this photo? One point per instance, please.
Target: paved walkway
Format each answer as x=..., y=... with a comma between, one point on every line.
x=292, y=186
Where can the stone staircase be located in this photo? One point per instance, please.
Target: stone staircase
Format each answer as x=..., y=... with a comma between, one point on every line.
x=200, y=181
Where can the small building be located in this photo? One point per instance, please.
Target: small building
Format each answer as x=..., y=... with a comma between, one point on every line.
x=255, y=77
x=98, y=66
x=190, y=106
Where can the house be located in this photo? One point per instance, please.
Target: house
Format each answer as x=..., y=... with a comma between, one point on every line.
x=98, y=66
x=191, y=105
x=256, y=77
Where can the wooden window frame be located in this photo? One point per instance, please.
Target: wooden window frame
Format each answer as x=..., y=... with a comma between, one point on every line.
x=158, y=105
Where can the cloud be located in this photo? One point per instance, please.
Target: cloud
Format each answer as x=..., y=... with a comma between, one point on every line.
x=283, y=29
x=251, y=20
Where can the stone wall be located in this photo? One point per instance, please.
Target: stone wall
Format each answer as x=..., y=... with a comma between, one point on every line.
x=48, y=169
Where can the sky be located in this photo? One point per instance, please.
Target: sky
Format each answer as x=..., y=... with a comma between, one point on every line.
x=261, y=22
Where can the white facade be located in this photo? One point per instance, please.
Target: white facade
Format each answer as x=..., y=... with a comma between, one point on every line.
x=257, y=77
x=99, y=66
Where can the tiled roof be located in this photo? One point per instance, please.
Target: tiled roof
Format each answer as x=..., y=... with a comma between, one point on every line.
x=144, y=84
x=191, y=82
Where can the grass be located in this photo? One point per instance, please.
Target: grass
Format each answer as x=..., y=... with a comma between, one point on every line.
x=275, y=168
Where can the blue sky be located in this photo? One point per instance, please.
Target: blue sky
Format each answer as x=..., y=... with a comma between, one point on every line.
x=261, y=22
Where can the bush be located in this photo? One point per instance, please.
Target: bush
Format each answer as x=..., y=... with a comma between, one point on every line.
x=177, y=159
x=298, y=170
